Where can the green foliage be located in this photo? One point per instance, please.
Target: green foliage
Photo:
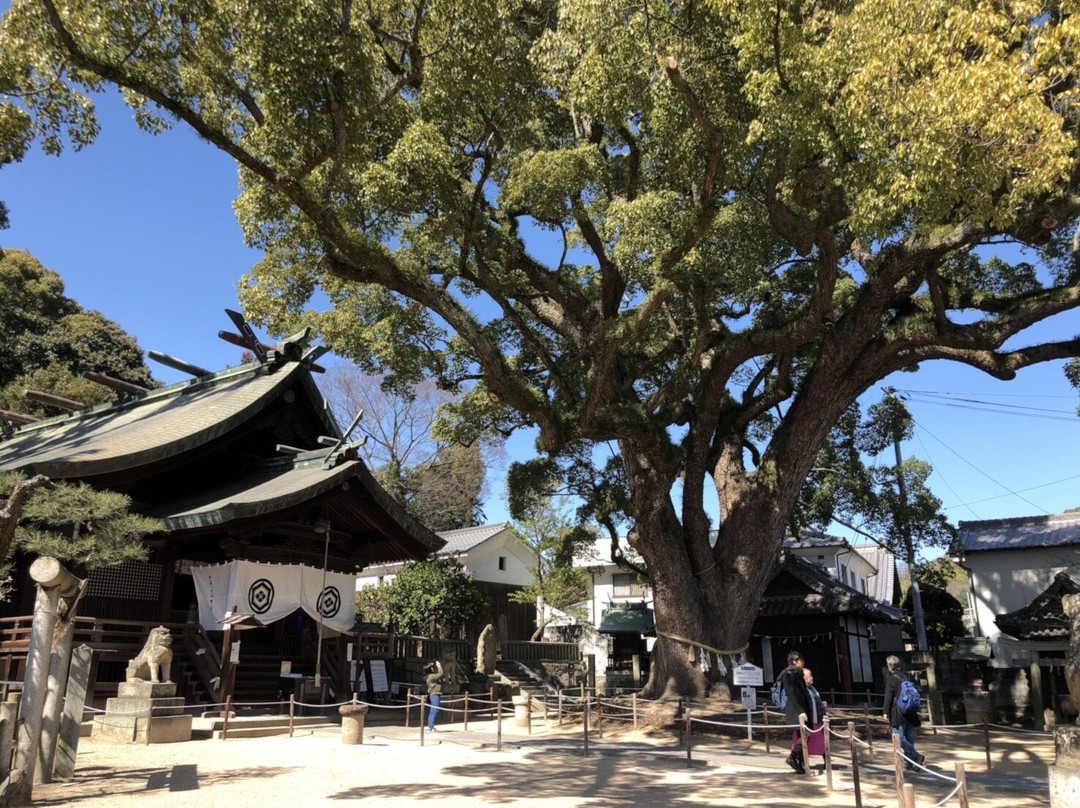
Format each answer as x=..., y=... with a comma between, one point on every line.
x=679, y=239
x=51, y=340
x=943, y=615
x=78, y=524
x=431, y=598
x=554, y=539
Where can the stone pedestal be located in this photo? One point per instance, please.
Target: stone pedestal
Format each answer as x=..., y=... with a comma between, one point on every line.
x=352, y=722
x=144, y=712
x=522, y=710
x=1065, y=773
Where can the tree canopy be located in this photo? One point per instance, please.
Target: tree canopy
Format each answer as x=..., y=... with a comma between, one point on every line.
x=50, y=340
x=690, y=233
x=431, y=598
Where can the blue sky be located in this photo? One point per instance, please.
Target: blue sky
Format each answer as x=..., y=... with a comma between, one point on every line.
x=141, y=228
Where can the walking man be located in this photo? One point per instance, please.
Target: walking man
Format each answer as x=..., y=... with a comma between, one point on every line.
x=903, y=719
x=797, y=706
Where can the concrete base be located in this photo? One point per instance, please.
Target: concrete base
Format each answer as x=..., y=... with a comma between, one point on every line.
x=144, y=712
x=1065, y=773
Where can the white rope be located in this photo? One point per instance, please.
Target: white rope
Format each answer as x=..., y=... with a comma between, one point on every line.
x=947, y=797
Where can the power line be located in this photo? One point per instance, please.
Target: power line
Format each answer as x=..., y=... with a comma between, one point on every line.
x=983, y=473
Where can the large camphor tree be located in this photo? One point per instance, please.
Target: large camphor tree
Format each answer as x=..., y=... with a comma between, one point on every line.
x=694, y=232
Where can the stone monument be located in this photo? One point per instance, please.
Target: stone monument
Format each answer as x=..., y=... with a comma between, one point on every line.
x=146, y=708
x=1065, y=773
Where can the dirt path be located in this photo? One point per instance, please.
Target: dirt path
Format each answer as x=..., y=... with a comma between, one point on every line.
x=546, y=769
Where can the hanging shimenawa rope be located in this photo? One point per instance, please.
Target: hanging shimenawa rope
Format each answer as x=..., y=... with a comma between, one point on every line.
x=695, y=644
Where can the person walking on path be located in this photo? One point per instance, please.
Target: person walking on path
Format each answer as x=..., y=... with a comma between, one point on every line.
x=815, y=740
x=797, y=706
x=434, y=681
x=904, y=723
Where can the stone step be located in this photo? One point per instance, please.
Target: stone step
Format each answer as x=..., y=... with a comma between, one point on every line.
x=269, y=731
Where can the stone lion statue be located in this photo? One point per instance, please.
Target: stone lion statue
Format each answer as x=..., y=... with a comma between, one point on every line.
x=154, y=662
x=1071, y=605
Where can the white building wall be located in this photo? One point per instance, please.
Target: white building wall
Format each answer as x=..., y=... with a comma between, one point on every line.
x=1003, y=582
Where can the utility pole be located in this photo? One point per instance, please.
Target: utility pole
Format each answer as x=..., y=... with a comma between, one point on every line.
x=909, y=549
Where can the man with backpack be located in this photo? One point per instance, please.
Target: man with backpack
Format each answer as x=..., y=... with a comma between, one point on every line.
x=901, y=709
x=796, y=705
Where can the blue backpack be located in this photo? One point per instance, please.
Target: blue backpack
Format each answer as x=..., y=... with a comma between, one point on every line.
x=779, y=695
x=908, y=701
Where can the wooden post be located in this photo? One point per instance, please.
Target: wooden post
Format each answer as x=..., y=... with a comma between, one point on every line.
x=292, y=713
x=898, y=763
x=528, y=718
x=498, y=726
x=32, y=704
x=633, y=705
x=59, y=664
x=689, y=738
x=805, y=752
x=53, y=583
x=224, y=723
x=599, y=718
x=768, y=732
x=408, y=707
x=961, y=781
x=423, y=720
x=466, y=726
x=908, y=799
x=585, y=726
x=854, y=747
x=828, y=753
x=986, y=740
x=560, y=707
x=869, y=730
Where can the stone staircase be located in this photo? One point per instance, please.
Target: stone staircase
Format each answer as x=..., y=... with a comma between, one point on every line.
x=523, y=679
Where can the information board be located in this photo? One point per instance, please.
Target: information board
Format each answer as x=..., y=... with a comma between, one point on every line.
x=379, y=682
x=748, y=675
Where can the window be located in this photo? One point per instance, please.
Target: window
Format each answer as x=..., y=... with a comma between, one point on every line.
x=502, y=562
x=626, y=585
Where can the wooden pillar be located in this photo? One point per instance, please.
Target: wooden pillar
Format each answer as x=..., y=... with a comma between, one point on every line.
x=59, y=662
x=53, y=582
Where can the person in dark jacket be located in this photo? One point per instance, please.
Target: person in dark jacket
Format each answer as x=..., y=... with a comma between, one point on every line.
x=434, y=682
x=902, y=724
x=797, y=708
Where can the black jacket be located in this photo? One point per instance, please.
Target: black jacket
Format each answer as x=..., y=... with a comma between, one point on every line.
x=798, y=697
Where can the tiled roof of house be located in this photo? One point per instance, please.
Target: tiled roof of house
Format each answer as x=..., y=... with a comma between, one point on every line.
x=1021, y=533
x=816, y=592
x=883, y=585
x=1043, y=618
x=463, y=540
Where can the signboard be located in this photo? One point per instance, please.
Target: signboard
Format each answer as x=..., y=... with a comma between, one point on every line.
x=748, y=675
x=749, y=698
x=234, y=652
x=379, y=682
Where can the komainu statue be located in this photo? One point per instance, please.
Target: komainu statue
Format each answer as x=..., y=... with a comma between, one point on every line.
x=154, y=660
x=1071, y=606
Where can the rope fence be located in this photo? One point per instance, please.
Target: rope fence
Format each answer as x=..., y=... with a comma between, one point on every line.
x=855, y=744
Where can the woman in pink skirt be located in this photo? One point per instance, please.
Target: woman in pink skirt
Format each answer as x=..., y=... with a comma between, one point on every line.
x=815, y=741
